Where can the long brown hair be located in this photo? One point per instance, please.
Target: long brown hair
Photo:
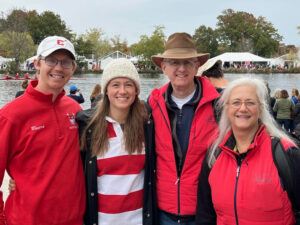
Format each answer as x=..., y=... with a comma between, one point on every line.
x=96, y=91
x=133, y=128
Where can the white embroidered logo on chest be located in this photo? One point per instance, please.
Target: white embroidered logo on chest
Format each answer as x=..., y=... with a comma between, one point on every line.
x=35, y=128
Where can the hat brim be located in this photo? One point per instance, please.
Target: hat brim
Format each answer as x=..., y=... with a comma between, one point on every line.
x=50, y=51
x=206, y=66
x=202, y=58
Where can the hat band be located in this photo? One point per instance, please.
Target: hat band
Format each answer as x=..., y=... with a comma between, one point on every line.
x=180, y=52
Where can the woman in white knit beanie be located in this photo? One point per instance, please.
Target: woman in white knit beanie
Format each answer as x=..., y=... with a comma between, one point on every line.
x=113, y=142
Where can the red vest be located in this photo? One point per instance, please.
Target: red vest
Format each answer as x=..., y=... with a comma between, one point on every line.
x=260, y=199
x=179, y=195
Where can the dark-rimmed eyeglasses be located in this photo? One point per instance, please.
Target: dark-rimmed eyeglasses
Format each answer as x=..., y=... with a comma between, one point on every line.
x=52, y=62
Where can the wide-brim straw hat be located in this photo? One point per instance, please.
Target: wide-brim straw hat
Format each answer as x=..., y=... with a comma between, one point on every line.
x=180, y=46
x=206, y=66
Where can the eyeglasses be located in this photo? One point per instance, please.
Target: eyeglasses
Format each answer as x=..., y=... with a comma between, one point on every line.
x=249, y=104
x=52, y=62
x=189, y=64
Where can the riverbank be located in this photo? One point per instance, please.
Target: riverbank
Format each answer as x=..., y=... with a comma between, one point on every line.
x=156, y=72
x=266, y=70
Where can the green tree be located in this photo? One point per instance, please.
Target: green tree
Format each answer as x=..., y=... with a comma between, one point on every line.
x=241, y=31
x=17, y=45
x=206, y=40
x=148, y=46
x=83, y=47
x=46, y=24
x=101, y=45
x=266, y=40
x=39, y=26
x=16, y=21
x=119, y=45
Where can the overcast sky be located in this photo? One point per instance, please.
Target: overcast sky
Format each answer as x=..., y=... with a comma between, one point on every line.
x=132, y=18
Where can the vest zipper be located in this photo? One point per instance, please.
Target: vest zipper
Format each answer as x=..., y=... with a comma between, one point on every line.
x=178, y=186
x=239, y=162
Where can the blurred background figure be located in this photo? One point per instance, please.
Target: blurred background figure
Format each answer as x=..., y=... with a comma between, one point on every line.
x=76, y=94
x=212, y=69
x=24, y=86
x=284, y=109
x=295, y=94
x=96, y=95
x=276, y=95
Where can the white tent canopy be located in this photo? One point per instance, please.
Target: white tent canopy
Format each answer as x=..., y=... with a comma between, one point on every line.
x=240, y=57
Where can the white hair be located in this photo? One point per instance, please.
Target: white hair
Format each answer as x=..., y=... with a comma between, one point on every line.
x=265, y=117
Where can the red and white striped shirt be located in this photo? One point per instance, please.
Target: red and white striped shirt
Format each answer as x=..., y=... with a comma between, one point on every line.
x=120, y=181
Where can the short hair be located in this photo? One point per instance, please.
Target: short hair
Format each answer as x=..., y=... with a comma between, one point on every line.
x=284, y=94
x=215, y=71
x=295, y=91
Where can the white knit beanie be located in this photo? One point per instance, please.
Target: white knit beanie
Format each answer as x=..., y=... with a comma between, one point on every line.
x=121, y=67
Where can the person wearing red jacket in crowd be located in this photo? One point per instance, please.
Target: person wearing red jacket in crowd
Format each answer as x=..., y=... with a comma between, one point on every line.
x=39, y=145
x=239, y=182
x=184, y=121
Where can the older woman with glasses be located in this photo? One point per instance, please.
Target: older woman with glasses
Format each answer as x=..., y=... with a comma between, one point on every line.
x=239, y=182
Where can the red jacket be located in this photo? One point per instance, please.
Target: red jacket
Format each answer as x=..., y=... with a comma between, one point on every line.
x=178, y=195
x=39, y=148
x=250, y=193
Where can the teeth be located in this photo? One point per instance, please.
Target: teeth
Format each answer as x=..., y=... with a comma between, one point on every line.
x=57, y=76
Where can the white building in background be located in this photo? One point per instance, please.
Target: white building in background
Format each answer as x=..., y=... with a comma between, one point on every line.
x=233, y=58
x=113, y=55
x=4, y=62
x=286, y=60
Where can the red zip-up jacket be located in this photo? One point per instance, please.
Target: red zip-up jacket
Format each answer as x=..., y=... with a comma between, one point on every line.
x=178, y=194
x=245, y=190
x=39, y=148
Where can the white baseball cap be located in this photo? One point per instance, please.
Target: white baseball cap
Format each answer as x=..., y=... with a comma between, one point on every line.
x=52, y=43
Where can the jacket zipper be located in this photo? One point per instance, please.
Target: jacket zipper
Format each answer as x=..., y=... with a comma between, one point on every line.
x=57, y=121
x=239, y=162
x=178, y=186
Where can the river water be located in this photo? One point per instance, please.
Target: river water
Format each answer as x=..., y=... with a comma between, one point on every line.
x=86, y=82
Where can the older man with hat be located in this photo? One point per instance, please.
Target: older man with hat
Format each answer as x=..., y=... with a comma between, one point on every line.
x=184, y=126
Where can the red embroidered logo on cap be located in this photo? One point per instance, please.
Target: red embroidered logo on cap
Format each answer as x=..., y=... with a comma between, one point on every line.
x=60, y=42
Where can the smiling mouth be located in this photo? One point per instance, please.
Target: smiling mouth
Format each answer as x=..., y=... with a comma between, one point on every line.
x=243, y=116
x=57, y=76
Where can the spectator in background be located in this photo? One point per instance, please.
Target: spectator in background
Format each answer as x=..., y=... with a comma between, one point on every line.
x=284, y=109
x=24, y=86
x=26, y=76
x=276, y=95
x=295, y=94
x=76, y=94
x=212, y=69
x=96, y=95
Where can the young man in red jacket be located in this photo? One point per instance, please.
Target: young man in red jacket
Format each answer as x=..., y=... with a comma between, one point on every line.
x=39, y=145
x=184, y=122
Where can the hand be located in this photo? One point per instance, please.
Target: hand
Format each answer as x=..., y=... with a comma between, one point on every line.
x=11, y=185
